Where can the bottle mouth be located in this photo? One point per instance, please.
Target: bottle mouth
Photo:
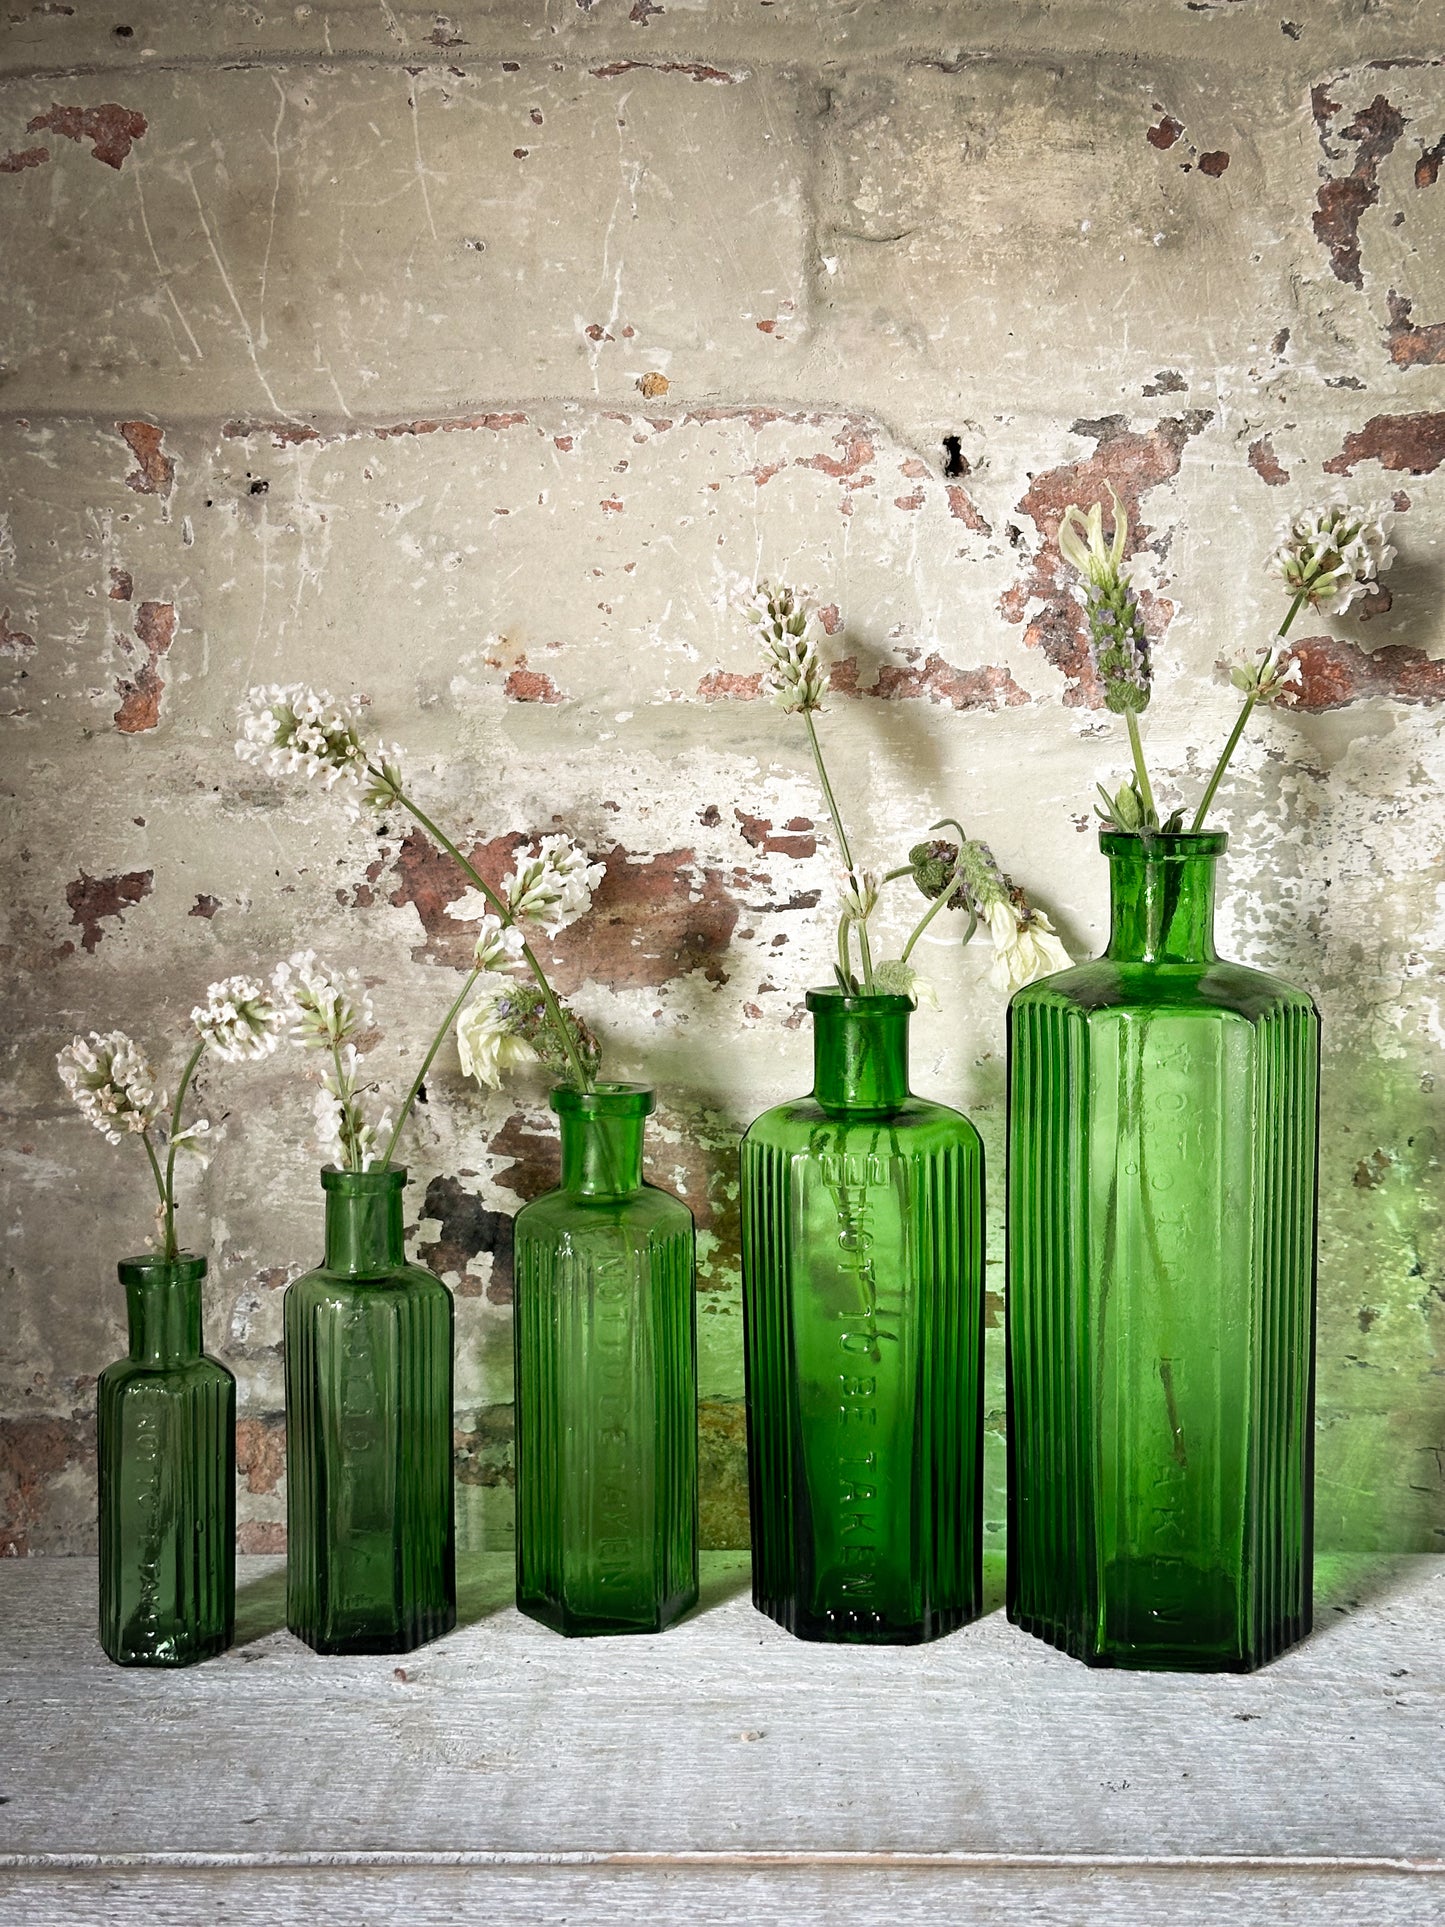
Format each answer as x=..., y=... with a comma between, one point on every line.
x=149, y=1265
x=363, y=1184
x=604, y=1100
x=827, y=997
x=1158, y=848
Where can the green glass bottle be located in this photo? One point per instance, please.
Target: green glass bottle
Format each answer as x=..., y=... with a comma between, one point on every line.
x=166, y=1450
x=606, y=1382
x=371, y=1558
x=1162, y=1157
x=862, y=1212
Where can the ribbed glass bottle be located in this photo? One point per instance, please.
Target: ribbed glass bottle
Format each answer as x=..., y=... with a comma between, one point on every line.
x=371, y=1562
x=166, y=1450
x=606, y=1382
x=1162, y=1156
x=862, y=1212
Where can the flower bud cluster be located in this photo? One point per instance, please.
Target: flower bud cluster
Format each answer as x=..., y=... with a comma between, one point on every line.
x=1331, y=555
x=794, y=673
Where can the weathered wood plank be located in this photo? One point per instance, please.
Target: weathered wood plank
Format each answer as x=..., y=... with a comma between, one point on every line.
x=722, y=1739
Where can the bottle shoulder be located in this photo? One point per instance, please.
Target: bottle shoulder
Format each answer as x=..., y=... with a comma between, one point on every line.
x=1103, y=987
x=803, y=1125
x=407, y=1280
x=648, y=1209
x=196, y=1375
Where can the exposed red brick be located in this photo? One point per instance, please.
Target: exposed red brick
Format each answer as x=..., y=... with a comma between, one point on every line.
x=936, y=679
x=18, y=159
x=155, y=472
x=1427, y=168
x=34, y=1454
x=1336, y=673
x=526, y=685
x=1213, y=164
x=758, y=831
x=831, y=618
x=122, y=585
x=1266, y=464
x=111, y=129
x=261, y=1452
x=1164, y=133
x=204, y=906
x=611, y=506
x=1343, y=200
x=261, y=1536
x=857, y=452
x=282, y=434
x=1133, y=462
x=94, y=899
x=140, y=695
x=693, y=70
x=913, y=501
x=1413, y=442
x=14, y=642
x=721, y=683
x=563, y=442
x=1411, y=345
x=293, y=434
x=962, y=508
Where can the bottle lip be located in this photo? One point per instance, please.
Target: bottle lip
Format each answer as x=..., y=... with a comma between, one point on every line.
x=1163, y=849
x=881, y=1003
x=361, y=1184
x=604, y=1100
x=150, y=1264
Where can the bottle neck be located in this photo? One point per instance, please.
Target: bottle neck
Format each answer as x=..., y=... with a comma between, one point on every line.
x=602, y=1138
x=364, y=1221
x=1161, y=897
x=163, y=1309
x=860, y=1052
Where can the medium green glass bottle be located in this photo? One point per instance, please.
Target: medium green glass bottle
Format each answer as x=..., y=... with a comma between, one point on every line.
x=606, y=1382
x=166, y=1450
x=371, y=1560
x=1162, y=1157
x=863, y=1245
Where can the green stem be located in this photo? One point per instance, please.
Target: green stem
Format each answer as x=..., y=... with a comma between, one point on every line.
x=549, y=996
x=344, y=1094
x=168, y=1210
x=864, y=951
x=1244, y=715
x=1142, y=774
x=426, y=1064
x=845, y=962
x=168, y=1191
x=930, y=913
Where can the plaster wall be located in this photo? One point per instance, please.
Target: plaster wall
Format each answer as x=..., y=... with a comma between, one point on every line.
x=472, y=361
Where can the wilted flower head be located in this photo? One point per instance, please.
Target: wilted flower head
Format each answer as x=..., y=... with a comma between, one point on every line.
x=1331, y=555
x=1273, y=679
x=795, y=675
x=499, y=945
x=895, y=978
x=239, y=1021
x=1025, y=946
x=1117, y=643
x=289, y=728
x=323, y=1006
x=554, y=887
x=111, y=1082
x=507, y=1025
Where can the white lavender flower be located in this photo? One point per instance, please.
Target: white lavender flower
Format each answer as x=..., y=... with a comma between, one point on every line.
x=112, y=1083
x=489, y=1035
x=1331, y=555
x=190, y=1141
x=794, y=675
x=1118, y=645
x=1025, y=945
x=499, y=945
x=1273, y=679
x=858, y=895
x=344, y=1136
x=554, y=887
x=290, y=729
x=321, y=1006
x=239, y=1021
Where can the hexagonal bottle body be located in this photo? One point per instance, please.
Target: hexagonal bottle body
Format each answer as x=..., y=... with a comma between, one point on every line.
x=166, y=1455
x=1162, y=1167
x=862, y=1299
x=371, y=1563
x=606, y=1383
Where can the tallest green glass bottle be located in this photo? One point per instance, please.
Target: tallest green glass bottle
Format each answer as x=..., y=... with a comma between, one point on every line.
x=1162, y=1156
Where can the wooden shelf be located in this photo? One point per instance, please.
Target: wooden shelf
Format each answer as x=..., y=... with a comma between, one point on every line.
x=723, y=1772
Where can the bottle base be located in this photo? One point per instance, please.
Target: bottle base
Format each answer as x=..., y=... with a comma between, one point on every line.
x=578, y=1625
x=394, y=1639
x=863, y=1629
x=1158, y=1655
x=168, y=1653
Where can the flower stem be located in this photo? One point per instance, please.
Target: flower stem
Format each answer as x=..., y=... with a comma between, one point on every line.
x=343, y=1097
x=1244, y=715
x=426, y=1064
x=1140, y=769
x=549, y=996
x=931, y=912
x=168, y=1189
x=168, y=1215
x=843, y=850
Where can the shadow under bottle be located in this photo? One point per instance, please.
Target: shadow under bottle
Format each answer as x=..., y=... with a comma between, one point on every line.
x=371, y=1562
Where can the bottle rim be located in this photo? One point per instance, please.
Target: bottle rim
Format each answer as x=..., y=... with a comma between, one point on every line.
x=604, y=1100
x=1159, y=848
x=360, y=1184
x=855, y=1004
x=150, y=1264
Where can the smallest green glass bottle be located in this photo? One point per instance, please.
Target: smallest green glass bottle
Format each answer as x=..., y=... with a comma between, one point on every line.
x=606, y=1382
x=166, y=1450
